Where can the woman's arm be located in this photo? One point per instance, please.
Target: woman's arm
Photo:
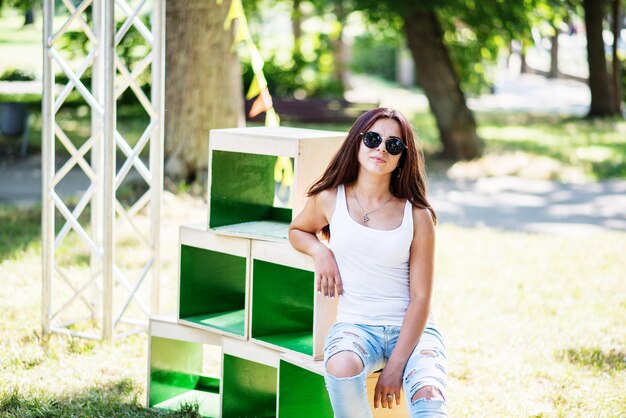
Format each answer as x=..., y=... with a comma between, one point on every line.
x=421, y=267
x=303, y=237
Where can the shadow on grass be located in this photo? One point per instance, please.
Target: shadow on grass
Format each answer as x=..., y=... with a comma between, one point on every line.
x=118, y=399
x=19, y=228
x=611, y=361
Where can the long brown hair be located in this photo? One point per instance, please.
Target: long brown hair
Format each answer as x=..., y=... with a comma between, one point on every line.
x=408, y=180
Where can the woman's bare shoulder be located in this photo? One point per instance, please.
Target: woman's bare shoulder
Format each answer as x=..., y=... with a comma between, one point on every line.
x=327, y=199
x=422, y=219
x=328, y=195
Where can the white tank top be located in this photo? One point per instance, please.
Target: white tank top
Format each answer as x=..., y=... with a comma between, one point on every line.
x=374, y=267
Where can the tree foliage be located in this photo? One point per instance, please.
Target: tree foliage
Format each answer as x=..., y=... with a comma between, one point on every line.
x=474, y=31
x=308, y=69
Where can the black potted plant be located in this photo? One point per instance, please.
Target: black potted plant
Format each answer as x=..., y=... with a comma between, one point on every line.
x=13, y=113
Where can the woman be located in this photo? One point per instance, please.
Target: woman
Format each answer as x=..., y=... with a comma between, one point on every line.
x=371, y=204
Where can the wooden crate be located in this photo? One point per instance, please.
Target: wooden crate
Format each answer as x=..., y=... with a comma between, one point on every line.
x=249, y=380
x=287, y=313
x=214, y=281
x=177, y=367
x=242, y=179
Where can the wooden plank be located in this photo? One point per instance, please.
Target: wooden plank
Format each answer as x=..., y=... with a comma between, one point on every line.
x=168, y=327
x=257, y=230
x=280, y=253
x=250, y=351
x=199, y=236
x=313, y=366
x=280, y=141
x=311, y=162
x=223, y=325
x=324, y=316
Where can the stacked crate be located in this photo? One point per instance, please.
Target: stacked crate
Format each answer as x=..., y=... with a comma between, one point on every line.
x=248, y=337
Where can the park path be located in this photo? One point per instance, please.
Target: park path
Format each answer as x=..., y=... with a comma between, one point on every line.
x=518, y=204
x=509, y=203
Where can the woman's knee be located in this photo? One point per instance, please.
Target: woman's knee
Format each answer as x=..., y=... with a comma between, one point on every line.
x=344, y=364
x=427, y=392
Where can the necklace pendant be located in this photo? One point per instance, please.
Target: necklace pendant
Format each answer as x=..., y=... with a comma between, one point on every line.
x=366, y=218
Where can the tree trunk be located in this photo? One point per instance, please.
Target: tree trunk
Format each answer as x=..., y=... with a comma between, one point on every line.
x=203, y=88
x=455, y=121
x=601, y=98
x=617, y=70
x=29, y=17
x=554, y=53
x=296, y=25
x=523, y=69
x=340, y=51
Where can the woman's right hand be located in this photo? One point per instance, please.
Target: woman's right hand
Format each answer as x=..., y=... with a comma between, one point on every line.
x=327, y=272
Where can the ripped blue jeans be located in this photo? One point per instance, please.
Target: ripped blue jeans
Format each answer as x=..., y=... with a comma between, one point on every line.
x=373, y=344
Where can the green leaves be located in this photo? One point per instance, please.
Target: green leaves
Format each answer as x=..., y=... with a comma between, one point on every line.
x=474, y=31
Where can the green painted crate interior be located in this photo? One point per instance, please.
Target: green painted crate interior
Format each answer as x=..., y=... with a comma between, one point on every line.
x=213, y=289
x=243, y=188
x=282, y=306
x=178, y=377
x=249, y=389
x=302, y=393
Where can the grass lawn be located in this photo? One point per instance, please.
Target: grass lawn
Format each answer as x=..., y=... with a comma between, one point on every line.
x=543, y=146
x=56, y=375
x=534, y=327
x=20, y=45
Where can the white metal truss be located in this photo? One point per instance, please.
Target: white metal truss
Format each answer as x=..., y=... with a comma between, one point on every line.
x=106, y=297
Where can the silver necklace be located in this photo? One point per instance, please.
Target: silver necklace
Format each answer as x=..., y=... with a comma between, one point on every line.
x=366, y=218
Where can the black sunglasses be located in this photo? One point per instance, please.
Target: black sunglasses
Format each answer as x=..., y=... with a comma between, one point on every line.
x=393, y=144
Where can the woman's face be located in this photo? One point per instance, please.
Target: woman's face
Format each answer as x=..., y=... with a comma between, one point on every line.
x=378, y=160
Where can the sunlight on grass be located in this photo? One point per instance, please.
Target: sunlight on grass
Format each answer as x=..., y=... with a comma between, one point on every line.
x=554, y=147
x=612, y=361
x=532, y=323
x=56, y=375
x=511, y=304
x=20, y=230
x=22, y=44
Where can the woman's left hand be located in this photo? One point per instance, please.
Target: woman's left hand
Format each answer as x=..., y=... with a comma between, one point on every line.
x=389, y=383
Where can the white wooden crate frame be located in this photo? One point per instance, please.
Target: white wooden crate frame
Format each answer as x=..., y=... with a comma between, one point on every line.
x=311, y=150
x=324, y=309
x=198, y=236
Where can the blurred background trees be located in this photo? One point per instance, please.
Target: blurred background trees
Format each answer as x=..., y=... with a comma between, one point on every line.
x=602, y=90
x=316, y=49
x=455, y=46
x=27, y=7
